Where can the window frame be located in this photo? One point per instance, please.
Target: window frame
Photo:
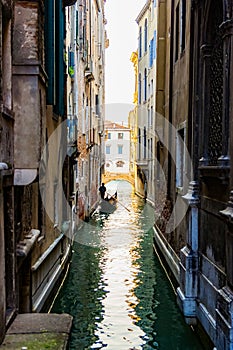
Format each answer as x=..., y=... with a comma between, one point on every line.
x=119, y=147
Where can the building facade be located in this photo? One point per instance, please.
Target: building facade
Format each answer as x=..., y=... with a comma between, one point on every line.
x=35, y=252
x=7, y=253
x=117, y=148
x=51, y=66
x=145, y=110
x=133, y=123
x=89, y=100
x=193, y=151
x=209, y=195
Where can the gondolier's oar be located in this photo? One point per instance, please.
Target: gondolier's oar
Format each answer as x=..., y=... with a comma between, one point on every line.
x=118, y=201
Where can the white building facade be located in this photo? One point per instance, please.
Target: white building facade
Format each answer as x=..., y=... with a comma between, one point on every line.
x=117, y=148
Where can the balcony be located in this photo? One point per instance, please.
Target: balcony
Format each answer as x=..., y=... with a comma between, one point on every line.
x=143, y=163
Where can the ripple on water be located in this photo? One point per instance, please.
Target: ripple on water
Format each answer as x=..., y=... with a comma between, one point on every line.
x=116, y=290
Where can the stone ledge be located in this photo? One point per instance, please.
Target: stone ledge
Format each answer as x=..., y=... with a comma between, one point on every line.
x=38, y=331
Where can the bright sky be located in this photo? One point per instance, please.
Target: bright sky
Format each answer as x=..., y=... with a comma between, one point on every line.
x=122, y=32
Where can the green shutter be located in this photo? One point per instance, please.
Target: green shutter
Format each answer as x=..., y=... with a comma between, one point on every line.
x=59, y=59
x=49, y=49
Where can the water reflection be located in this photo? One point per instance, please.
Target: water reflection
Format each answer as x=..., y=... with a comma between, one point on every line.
x=116, y=290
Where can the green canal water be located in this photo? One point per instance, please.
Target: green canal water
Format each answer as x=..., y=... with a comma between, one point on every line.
x=116, y=289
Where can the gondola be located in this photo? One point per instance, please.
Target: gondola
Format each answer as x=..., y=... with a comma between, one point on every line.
x=108, y=204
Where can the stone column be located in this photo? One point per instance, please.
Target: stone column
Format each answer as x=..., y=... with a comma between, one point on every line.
x=187, y=292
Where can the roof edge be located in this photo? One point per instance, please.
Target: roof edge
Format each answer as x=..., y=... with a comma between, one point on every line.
x=142, y=12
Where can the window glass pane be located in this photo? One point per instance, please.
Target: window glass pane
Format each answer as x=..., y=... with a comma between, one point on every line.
x=120, y=149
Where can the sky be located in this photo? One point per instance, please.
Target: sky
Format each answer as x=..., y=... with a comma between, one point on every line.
x=122, y=32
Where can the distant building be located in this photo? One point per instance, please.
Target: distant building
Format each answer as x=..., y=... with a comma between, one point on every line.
x=117, y=148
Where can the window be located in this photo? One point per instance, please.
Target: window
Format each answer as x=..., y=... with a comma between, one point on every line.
x=120, y=149
x=139, y=143
x=180, y=160
x=145, y=85
x=151, y=52
x=108, y=149
x=71, y=63
x=151, y=115
x=144, y=143
x=145, y=36
x=151, y=147
x=97, y=106
x=154, y=53
x=77, y=27
x=215, y=134
x=177, y=31
x=109, y=136
x=139, y=89
x=148, y=148
x=120, y=135
x=183, y=25
x=148, y=117
x=140, y=42
x=54, y=55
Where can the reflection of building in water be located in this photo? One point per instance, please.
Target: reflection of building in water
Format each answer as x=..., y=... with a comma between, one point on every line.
x=117, y=148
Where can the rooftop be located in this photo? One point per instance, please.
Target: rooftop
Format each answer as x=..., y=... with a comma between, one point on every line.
x=112, y=125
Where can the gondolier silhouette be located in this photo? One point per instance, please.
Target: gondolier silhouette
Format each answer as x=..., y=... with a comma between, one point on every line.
x=102, y=190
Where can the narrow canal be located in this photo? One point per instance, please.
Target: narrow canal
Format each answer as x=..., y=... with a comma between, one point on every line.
x=116, y=289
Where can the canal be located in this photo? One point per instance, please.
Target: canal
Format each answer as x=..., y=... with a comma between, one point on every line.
x=116, y=289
